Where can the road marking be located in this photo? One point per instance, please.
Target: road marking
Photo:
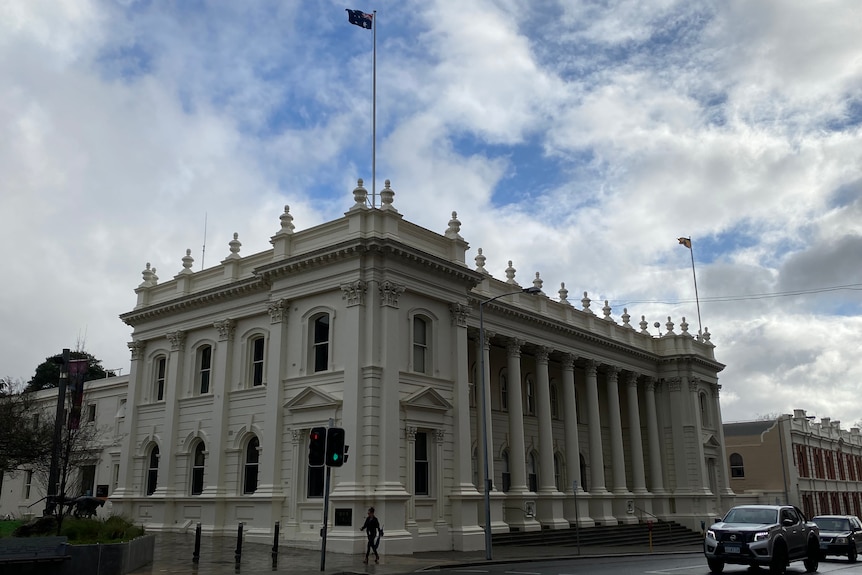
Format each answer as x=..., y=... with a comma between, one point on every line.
x=470, y=570
x=661, y=571
x=523, y=572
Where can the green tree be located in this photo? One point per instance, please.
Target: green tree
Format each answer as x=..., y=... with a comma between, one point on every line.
x=48, y=372
x=28, y=433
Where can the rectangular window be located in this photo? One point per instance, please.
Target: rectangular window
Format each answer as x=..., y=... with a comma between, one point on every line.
x=257, y=361
x=91, y=413
x=421, y=465
x=88, y=479
x=28, y=483
x=315, y=482
x=161, y=365
x=321, y=343
x=116, y=477
x=206, y=355
x=420, y=344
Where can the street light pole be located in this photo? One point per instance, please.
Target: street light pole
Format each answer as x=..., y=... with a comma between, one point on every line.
x=488, y=481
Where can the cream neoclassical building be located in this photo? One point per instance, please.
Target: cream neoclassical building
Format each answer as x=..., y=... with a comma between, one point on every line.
x=372, y=322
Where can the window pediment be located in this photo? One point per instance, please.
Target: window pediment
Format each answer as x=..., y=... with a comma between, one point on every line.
x=425, y=406
x=312, y=406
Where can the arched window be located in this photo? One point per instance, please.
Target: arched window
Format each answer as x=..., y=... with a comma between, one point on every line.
x=704, y=410
x=504, y=391
x=737, y=467
x=555, y=402
x=507, y=475
x=558, y=472
x=532, y=473
x=421, y=356
x=531, y=396
x=204, y=368
x=583, y=472
x=320, y=342
x=159, y=372
x=153, y=470
x=252, y=460
x=198, y=461
x=257, y=345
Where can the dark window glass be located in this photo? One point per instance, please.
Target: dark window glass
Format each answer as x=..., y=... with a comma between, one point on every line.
x=315, y=482
x=198, y=470
x=737, y=469
x=160, y=378
x=252, y=460
x=153, y=471
x=421, y=475
x=420, y=344
x=206, y=354
x=257, y=361
x=321, y=343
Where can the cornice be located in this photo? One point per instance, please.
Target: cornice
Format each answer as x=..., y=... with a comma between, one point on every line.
x=195, y=300
x=593, y=338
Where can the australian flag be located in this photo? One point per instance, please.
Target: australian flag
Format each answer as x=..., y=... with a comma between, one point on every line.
x=360, y=18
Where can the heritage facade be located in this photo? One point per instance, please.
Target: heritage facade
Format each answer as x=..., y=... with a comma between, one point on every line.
x=814, y=465
x=373, y=323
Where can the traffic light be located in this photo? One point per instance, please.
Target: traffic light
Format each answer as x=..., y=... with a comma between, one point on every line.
x=317, y=447
x=335, y=447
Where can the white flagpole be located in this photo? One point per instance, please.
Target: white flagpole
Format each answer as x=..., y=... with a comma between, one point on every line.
x=696, y=299
x=374, y=114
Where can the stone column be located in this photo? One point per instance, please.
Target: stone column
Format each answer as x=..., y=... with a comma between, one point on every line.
x=214, y=480
x=167, y=484
x=638, y=474
x=298, y=455
x=618, y=456
x=466, y=533
x=439, y=479
x=549, y=508
x=517, y=449
x=271, y=446
x=660, y=505
x=485, y=350
x=600, y=501
x=579, y=515
x=694, y=401
x=125, y=486
x=725, y=489
x=410, y=439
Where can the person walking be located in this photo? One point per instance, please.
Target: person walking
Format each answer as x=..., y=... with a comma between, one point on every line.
x=373, y=532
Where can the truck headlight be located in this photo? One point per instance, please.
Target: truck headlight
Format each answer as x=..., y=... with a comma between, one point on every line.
x=710, y=534
x=841, y=540
x=761, y=536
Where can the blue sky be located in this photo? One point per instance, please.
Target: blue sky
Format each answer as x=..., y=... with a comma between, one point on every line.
x=578, y=139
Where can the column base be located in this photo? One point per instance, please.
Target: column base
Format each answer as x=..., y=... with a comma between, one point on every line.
x=520, y=511
x=601, y=509
x=576, y=509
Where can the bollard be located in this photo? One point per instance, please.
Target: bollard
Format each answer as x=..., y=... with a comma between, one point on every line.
x=275, y=545
x=238, y=553
x=196, y=556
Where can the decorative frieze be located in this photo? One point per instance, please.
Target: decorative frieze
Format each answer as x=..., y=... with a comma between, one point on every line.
x=674, y=383
x=632, y=379
x=354, y=293
x=513, y=347
x=410, y=433
x=542, y=353
x=693, y=384
x=439, y=435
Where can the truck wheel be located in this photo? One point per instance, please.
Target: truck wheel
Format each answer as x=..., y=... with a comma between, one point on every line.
x=812, y=557
x=851, y=555
x=778, y=565
x=715, y=566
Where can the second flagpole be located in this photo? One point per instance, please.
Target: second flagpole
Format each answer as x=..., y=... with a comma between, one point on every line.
x=374, y=112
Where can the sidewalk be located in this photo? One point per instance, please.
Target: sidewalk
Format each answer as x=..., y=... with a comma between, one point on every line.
x=174, y=555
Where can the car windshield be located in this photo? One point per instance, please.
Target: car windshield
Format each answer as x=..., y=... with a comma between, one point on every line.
x=832, y=523
x=749, y=515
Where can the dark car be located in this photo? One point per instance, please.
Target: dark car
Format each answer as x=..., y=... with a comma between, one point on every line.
x=762, y=535
x=840, y=535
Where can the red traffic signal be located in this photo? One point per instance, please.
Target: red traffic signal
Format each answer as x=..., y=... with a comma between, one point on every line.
x=317, y=447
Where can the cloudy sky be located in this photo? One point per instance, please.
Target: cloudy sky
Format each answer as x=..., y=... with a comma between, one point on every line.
x=578, y=139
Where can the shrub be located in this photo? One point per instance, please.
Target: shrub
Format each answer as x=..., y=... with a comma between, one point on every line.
x=114, y=529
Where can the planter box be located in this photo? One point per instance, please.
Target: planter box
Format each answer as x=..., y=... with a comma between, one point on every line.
x=109, y=558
